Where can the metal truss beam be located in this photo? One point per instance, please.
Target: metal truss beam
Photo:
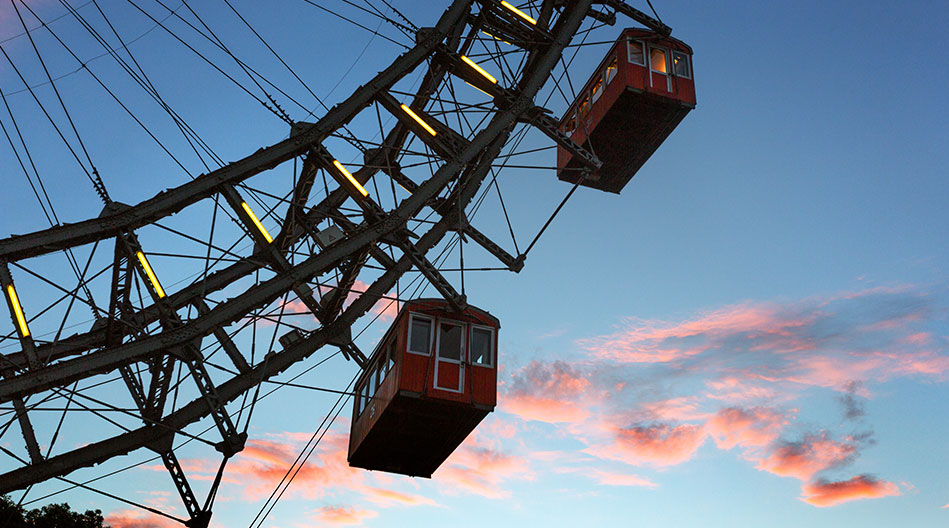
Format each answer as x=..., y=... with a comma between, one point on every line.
x=173, y=200
x=488, y=143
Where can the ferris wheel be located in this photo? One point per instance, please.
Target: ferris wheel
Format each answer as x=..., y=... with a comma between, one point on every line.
x=150, y=318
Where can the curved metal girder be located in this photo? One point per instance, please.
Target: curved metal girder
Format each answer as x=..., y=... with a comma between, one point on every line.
x=487, y=143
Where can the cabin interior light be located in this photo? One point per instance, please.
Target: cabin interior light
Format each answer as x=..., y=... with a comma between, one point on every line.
x=519, y=13
x=479, y=69
x=418, y=120
x=18, y=311
x=150, y=274
x=362, y=190
x=260, y=227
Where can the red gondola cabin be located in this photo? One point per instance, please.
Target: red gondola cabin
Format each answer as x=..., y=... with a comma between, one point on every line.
x=429, y=383
x=639, y=93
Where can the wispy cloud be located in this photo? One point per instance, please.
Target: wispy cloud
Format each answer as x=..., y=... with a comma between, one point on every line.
x=343, y=515
x=826, y=493
x=735, y=375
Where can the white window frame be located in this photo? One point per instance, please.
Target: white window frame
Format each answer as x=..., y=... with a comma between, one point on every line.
x=431, y=334
x=594, y=93
x=493, y=352
x=607, y=79
x=464, y=341
x=642, y=53
x=668, y=56
x=461, y=361
x=688, y=64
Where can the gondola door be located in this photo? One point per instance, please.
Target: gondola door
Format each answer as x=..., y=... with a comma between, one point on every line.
x=450, y=356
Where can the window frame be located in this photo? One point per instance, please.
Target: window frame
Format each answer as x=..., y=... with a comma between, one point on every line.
x=493, y=352
x=642, y=52
x=688, y=64
x=665, y=53
x=431, y=334
x=614, y=66
x=596, y=90
x=463, y=353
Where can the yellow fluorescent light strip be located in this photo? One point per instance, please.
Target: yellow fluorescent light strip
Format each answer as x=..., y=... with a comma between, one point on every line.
x=257, y=223
x=18, y=311
x=418, y=120
x=362, y=190
x=479, y=69
x=151, y=274
x=479, y=89
x=519, y=13
x=496, y=38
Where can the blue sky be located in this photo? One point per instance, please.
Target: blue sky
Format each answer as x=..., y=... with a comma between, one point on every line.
x=756, y=326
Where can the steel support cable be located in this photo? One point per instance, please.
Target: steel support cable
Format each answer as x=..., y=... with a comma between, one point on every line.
x=96, y=57
x=54, y=19
x=400, y=15
x=109, y=91
x=142, y=79
x=278, y=109
x=199, y=54
x=96, y=180
x=25, y=171
x=353, y=22
x=308, y=450
x=100, y=492
x=175, y=199
x=250, y=70
x=277, y=55
x=233, y=387
x=405, y=30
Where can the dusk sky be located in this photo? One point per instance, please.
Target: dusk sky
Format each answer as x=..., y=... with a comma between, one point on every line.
x=754, y=333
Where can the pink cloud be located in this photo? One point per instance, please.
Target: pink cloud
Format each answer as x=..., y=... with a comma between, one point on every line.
x=547, y=392
x=824, y=493
x=387, y=497
x=608, y=478
x=804, y=459
x=652, y=341
x=343, y=515
x=755, y=427
x=735, y=390
x=476, y=467
x=658, y=444
x=138, y=519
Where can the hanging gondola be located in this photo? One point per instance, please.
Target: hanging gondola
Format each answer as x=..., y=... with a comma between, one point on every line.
x=428, y=384
x=640, y=92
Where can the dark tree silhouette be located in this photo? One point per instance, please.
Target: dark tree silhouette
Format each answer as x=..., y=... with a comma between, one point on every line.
x=13, y=515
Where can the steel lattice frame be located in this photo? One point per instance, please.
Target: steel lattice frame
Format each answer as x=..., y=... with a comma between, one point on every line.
x=145, y=342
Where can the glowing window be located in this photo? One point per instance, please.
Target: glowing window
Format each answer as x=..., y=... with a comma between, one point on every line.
x=657, y=60
x=482, y=346
x=680, y=64
x=420, y=335
x=571, y=125
x=610, y=72
x=635, y=48
x=584, y=108
x=597, y=90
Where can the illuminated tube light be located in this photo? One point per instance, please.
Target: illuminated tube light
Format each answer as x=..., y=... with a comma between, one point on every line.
x=418, y=120
x=479, y=89
x=519, y=13
x=496, y=38
x=479, y=69
x=362, y=190
x=257, y=223
x=18, y=311
x=151, y=274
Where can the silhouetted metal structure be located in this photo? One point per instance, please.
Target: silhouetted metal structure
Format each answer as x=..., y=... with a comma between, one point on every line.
x=152, y=335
